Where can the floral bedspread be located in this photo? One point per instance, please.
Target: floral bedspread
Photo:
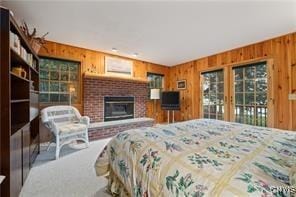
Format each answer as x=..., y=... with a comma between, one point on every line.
x=202, y=158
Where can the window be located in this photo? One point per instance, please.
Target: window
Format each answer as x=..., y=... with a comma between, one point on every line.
x=250, y=94
x=56, y=78
x=155, y=81
x=213, y=94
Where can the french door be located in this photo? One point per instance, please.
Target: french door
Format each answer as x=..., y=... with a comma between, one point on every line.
x=249, y=89
x=212, y=94
x=251, y=94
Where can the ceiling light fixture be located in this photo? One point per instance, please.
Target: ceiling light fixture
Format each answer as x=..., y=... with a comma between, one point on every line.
x=135, y=54
x=115, y=50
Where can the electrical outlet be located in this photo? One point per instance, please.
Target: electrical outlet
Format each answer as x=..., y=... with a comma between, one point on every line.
x=292, y=96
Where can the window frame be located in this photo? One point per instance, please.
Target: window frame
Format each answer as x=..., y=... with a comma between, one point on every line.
x=79, y=82
x=162, y=84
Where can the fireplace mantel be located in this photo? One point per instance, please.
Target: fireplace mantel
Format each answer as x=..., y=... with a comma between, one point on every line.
x=114, y=78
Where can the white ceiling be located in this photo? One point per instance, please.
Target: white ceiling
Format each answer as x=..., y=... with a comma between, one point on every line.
x=167, y=33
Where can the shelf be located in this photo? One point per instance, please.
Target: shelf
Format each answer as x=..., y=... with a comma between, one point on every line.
x=20, y=101
x=22, y=37
x=34, y=70
x=19, y=78
x=16, y=127
x=16, y=59
x=19, y=88
x=34, y=91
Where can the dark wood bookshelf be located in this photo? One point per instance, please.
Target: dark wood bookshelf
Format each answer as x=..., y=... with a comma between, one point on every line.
x=19, y=99
x=19, y=77
x=18, y=60
x=34, y=70
x=25, y=43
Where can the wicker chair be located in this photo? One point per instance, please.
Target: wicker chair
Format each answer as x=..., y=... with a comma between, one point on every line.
x=66, y=124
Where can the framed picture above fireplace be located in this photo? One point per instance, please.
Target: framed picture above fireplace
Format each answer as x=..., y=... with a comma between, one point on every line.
x=118, y=66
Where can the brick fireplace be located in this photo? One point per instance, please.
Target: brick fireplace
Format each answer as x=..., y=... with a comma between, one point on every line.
x=96, y=89
x=101, y=91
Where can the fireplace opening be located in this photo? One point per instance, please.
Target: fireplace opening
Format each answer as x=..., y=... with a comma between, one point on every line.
x=118, y=108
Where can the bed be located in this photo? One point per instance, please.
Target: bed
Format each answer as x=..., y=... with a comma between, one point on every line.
x=199, y=158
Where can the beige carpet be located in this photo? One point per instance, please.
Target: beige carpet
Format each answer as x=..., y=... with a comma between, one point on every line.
x=71, y=175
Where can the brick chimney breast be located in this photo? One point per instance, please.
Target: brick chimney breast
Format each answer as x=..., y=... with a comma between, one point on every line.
x=95, y=89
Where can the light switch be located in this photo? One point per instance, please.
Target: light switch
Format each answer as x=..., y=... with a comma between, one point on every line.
x=292, y=96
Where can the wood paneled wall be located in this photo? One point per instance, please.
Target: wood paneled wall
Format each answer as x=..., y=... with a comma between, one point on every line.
x=90, y=57
x=282, y=50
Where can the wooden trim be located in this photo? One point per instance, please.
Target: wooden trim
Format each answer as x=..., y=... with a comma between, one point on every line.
x=253, y=61
x=231, y=95
x=108, y=77
x=216, y=68
x=195, y=97
x=289, y=60
x=60, y=58
x=270, y=93
x=158, y=74
x=226, y=94
x=201, y=95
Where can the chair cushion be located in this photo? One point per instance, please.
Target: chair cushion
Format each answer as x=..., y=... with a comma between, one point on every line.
x=71, y=128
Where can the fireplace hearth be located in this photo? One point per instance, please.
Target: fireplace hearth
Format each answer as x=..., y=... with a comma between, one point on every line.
x=118, y=108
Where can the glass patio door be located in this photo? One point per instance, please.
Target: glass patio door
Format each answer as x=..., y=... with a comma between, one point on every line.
x=250, y=94
x=212, y=95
